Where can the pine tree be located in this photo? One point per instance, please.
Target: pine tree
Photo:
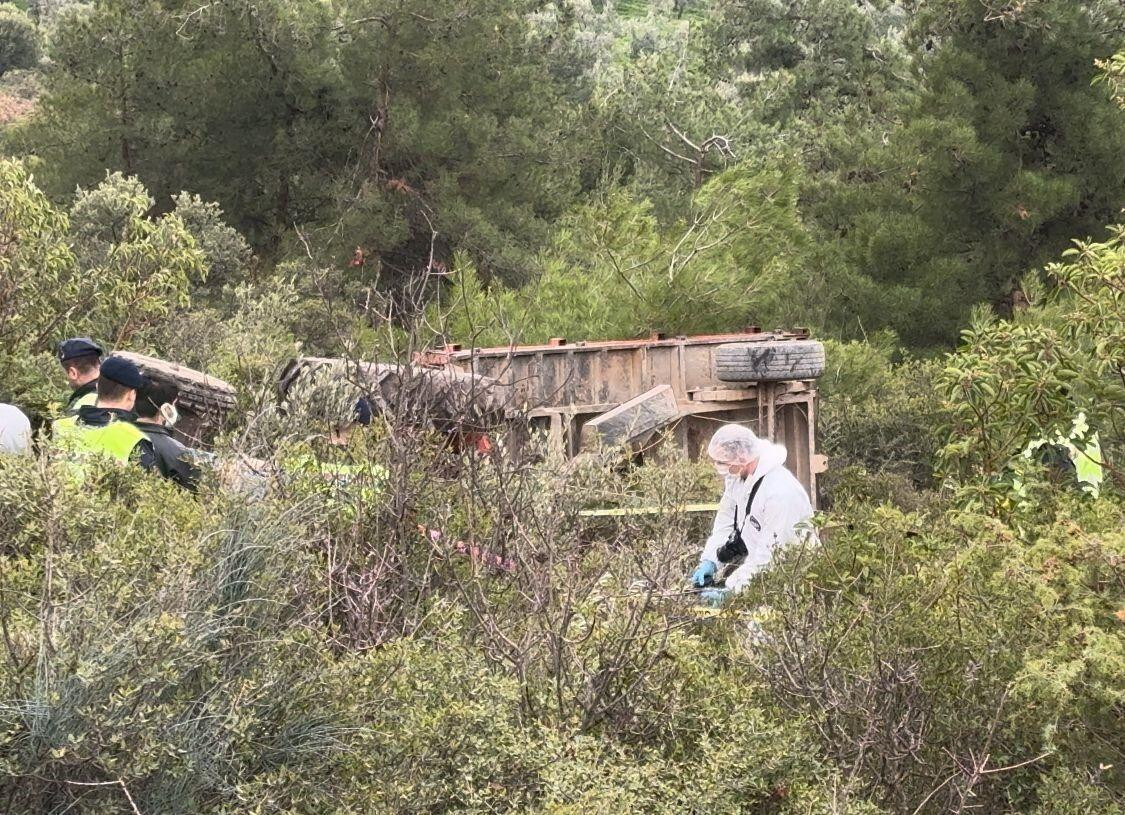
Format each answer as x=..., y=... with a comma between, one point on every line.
x=1006, y=154
x=380, y=124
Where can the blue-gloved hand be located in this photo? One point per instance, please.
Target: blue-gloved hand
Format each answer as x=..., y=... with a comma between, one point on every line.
x=713, y=597
x=704, y=573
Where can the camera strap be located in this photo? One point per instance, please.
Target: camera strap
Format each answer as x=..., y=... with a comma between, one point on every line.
x=749, y=504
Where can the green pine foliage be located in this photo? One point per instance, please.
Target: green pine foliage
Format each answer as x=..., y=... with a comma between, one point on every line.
x=1004, y=154
x=19, y=39
x=228, y=185
x=379, y=128
x=942, y=149
x=614, y=271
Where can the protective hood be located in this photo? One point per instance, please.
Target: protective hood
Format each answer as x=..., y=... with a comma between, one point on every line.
x=770, y=457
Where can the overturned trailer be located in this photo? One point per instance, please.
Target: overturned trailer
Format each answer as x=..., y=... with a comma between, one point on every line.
x=446, y=399
x=204, y=401
x=661, y=391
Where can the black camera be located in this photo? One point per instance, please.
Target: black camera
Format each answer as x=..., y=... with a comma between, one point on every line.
x=734, y=548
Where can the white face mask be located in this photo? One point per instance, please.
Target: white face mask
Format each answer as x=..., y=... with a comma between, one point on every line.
x=722, y=469
x=170, y=414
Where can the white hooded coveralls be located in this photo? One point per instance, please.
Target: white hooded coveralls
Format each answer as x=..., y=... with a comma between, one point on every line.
x=15, y=430
x=780, y=514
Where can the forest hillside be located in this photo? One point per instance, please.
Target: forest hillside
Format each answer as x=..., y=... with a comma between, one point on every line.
x=357, y=608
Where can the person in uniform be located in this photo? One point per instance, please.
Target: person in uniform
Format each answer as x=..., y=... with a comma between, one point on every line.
x=80, y=358
x=1072, y=458
x=109, y=425
x=330, y=465
x=156, y=414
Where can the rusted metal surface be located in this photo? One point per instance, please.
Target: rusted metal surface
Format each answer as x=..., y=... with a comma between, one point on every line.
x=562, y=385
x=602, y=372
x=633, y=421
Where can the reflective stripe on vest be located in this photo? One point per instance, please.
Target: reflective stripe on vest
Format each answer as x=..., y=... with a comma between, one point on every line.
x=116, y=439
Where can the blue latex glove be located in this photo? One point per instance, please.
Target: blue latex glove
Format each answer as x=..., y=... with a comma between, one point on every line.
x=713, y=597
x=704, y=573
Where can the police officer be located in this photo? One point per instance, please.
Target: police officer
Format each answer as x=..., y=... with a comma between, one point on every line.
x=1073, y=458
x=333, y=469
x=80, y=358
x=156, y=413
x=109, y=425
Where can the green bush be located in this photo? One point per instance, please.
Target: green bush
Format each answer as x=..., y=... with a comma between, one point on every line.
x=19, y=39
x=1017, y=380
x=181, y=653
x=190, y=658
x=302, y=650
x=227, y=253
x=156, y=647
x=241, y=336
x=111, y=270
x=943, y=654
x=878, y=421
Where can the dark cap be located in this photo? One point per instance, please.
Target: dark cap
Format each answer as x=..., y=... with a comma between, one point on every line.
x=123, y=372
x=78, y=347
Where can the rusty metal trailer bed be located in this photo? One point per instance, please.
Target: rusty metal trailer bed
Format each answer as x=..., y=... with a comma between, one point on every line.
x=563, y=386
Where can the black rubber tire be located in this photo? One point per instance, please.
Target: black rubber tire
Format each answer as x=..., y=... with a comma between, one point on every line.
x=769, y=361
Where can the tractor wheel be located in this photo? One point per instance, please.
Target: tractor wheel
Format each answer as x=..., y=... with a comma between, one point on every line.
x=769, y=361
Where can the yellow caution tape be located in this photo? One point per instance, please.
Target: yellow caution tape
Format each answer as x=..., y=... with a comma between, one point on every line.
x=622, y=511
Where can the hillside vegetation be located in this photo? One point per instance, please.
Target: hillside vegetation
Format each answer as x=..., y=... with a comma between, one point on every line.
x=931, y=187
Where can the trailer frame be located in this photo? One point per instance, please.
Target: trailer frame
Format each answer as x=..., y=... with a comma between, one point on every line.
x=560, y=386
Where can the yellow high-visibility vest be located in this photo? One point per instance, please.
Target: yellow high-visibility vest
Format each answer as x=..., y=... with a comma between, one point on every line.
x=116, y=439
x=1084, y=449
x=85, y=399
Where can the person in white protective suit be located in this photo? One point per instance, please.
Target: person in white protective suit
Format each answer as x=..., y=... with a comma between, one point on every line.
x=763, y=508
x=15, y=431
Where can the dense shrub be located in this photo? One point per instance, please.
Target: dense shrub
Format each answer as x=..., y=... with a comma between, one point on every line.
x=19, y=39
x=112, y=270
x=878, y=421
x=155, y=651
x=1025, y=378
x=941, y=656
x=241, y=337
x=184, y=655
x=227, y=253
x=303, y=650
